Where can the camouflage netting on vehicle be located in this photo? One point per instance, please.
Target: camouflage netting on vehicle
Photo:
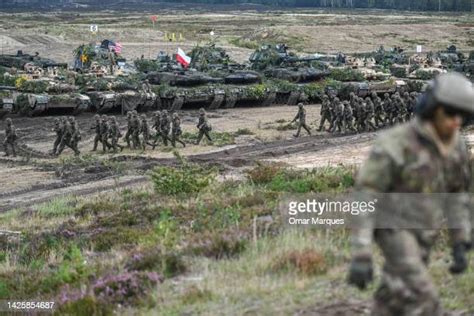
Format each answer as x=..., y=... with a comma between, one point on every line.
x=346, y=74
x=146, y=65
x=32, y=86
x=22, y=104
x=61, y=88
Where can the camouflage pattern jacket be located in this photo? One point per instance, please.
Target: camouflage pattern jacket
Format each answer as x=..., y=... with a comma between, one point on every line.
x=410, y=158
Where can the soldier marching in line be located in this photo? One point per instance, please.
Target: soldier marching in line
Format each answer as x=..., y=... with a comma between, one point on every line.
x=96, y=128
x=425, y=155
x=348, y=117
x=378, y=110
x=136, y=128
x=76, y=135
x=115, y=134
x=144, y=131
x=129, y=132
x=339, y=122
x=68, y=137
x=203, y=126
x=58, y=129
x=176, y=131
x=156, y=125
x=325, y=112
x=10, y=137
x=104, y=134
x=369, y=115
x=165, y=126
x=301, y=117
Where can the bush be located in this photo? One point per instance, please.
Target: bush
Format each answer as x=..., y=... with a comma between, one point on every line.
x=226, y=244
x=188, y=178
x=346, y=74
x=264, y=172
x=307, y=262
x=155, y=259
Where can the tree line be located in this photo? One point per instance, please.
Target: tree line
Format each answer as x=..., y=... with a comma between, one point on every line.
x=414, y=5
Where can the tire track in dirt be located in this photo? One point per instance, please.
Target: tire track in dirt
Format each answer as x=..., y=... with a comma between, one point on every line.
x=230, y=158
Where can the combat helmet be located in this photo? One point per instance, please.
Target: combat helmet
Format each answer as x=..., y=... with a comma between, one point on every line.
x=451, y=90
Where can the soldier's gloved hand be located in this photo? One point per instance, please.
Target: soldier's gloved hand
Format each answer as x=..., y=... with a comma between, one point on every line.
x=361, y=272
x=459, y=258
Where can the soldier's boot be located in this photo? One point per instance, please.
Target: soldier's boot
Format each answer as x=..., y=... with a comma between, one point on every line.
x=181, y=142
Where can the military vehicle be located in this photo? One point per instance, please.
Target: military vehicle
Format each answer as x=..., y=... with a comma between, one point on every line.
x=275, y=62
x=89, y=55
x=20, y=60
x=6, y=100
x=39, y=96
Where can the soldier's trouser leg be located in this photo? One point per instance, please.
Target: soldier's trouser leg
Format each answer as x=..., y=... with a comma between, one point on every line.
x=135, y=140
x=307, y=129
x=5, y=147
x=298, y=131
x=164, y=136
x=56, y=144
x=104, y=144
x=127, y=137
x=200, y=136
x=208, y=136
x=406, y=287
x=61, y=146
x=96, y=142
x=324, y=118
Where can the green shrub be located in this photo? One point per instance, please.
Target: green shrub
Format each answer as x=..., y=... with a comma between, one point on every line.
x=346, y=74
x=188, y=178
x=264, y=172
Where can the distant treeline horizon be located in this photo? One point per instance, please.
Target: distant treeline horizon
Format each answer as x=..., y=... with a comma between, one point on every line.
x=410, y=5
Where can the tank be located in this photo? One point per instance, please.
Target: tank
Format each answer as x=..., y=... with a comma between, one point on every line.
x=6, y=101
x=275, y=62
x=20, y=60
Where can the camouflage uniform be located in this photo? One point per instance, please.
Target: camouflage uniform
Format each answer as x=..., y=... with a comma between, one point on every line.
x=104, y=134
x=325, y=112
x=339, y=117
x=96, y=128
x=68, y=138
x=144, y=131
x=114, y=134
x=76, y=135
x=203, y=126
x=176, y=131
x=10, y=137
x=369, y=114
x=135, y=124
x=361, y=114
x=332, y=114
x=165, y=126
x=129, y=128
x=156, y=125
x=408, y=108
x=348, y=117
x=411, y=158
x=388, y=108
x=378, y=110
x=301, y=117
x=58, y=129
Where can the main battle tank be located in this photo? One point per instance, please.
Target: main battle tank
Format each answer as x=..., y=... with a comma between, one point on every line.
x=212, y=80
x=38, y=96
x=275, y=62
x=20, y=60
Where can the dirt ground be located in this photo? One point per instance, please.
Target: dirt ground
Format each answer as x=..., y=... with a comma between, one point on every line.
x=55, y=35
x=35, y=176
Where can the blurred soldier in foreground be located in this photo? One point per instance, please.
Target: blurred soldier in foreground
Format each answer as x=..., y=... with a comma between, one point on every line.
x=426, y=155
x=301, y=117
x=203, y=126
x=10, y=137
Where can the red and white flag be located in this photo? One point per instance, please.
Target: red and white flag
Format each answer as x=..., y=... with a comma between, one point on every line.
x=182, y=58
